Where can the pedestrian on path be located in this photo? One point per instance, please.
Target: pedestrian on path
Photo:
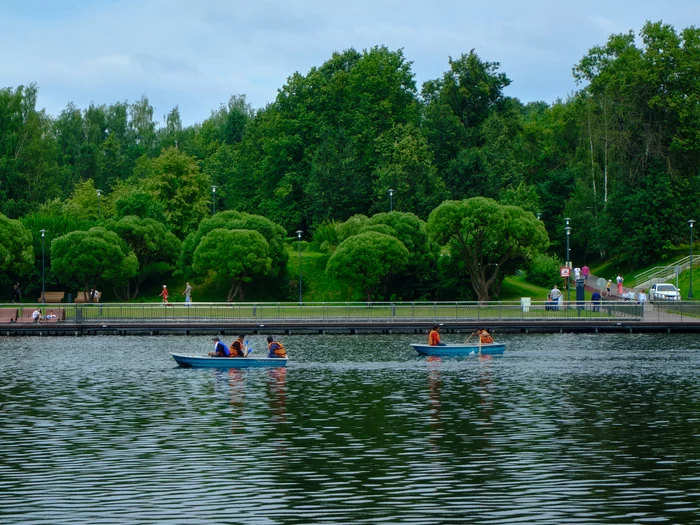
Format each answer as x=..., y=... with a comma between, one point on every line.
x=620, y=280
x=585, y=271
x=164, y=294
x=188, y=294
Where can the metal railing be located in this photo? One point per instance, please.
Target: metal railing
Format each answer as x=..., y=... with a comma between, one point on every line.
x=353, y=312
x=663, y=273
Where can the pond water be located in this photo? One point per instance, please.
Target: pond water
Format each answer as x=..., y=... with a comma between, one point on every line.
x=358, y=429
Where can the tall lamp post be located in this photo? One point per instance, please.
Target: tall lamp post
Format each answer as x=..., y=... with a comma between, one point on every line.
x=391, y=200
x=568, y=234
x=99, y=210
x=213, y=200
x=690, y=288
x=299, y=232
x=43, y=301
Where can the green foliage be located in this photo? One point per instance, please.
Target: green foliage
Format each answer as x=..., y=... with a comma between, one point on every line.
x=131, y=201
x=544, y=270
x=155, y=247
x=363, y=261
x=492, y=240
x=232, y=220
x=16, y=251
x=325, y=237
x=93, y=258
x=233, y=255
x=174, y=179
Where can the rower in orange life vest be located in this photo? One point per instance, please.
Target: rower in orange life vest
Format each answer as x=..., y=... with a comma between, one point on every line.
x=275, y=349
x=485, y=337
x=434, y=337
x=237, y=348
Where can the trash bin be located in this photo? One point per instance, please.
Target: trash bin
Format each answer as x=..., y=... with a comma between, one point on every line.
x=525, y=303
x=69, y=297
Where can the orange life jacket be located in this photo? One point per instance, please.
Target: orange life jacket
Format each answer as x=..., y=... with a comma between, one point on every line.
x=486, y=339
x=237, y=348
x=433, y=338
x=281, y=351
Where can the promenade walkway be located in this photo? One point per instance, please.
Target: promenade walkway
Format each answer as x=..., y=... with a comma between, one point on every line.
x=612, y=315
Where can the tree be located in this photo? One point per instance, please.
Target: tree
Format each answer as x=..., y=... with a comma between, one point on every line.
x=457, y=107
x=28, y=165
x=418, y=279
x=155, y=247
x=492, y=240
x=364, y=260
x=174, y=180
x=233, y=255
x=85, y=204
x=16, y=249
x=405, y=165
x=233, y=220
x=86, y=259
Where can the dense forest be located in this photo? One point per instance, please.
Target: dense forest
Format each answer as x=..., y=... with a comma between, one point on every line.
x=619, y=158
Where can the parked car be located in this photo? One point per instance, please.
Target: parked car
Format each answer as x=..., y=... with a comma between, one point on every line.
x=664, y=292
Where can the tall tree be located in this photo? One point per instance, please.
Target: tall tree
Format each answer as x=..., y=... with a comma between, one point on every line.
x=493, y=240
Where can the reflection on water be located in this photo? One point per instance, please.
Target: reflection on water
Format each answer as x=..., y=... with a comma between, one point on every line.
x=358, y=429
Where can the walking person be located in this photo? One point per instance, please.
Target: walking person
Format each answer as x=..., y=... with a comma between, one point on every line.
x=16, y=294
x=585, y=271
x=188, y=294
x=164, y=294
x=619, y=280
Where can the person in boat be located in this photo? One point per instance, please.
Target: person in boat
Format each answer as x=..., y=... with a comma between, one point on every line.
x=275, y=349
x=434, y=337
x=237, y=348
x=484, y=337
x=220, y=349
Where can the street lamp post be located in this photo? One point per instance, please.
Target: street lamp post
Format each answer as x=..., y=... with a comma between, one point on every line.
x=539, y=216
x=299, y=232
x=99, y=210
x=568, y=234
x=43, y=301
x=690, y=288
x=391, y=200
x=213, y=200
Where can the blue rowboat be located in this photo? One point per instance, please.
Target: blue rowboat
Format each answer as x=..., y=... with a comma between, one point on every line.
x=460, y=349
x=203, y=361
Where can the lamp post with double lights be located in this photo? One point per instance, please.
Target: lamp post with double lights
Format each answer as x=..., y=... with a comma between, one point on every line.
x=43, y=233
x=690, y=288
x=299, y=232
x=213, y=200
x=568, y=234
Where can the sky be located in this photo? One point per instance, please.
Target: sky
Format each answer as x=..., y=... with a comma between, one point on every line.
x=196, y=54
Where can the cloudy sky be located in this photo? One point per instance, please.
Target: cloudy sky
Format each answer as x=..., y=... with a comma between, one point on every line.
x=195, y=54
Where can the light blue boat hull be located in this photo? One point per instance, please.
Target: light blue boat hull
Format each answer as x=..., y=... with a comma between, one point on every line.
x=200, y=361
x=459, y=349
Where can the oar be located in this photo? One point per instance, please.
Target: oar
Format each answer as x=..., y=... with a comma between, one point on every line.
x=469, y=338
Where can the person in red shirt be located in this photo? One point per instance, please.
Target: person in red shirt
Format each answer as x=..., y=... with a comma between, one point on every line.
x=164, y=294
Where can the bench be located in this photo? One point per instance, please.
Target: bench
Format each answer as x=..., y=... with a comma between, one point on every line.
x=80, y=298
x=8, y=315
x=52, y=297
x=58, y=314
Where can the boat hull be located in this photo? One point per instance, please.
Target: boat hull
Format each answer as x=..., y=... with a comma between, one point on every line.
x=459, y=349
x=199, y=361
